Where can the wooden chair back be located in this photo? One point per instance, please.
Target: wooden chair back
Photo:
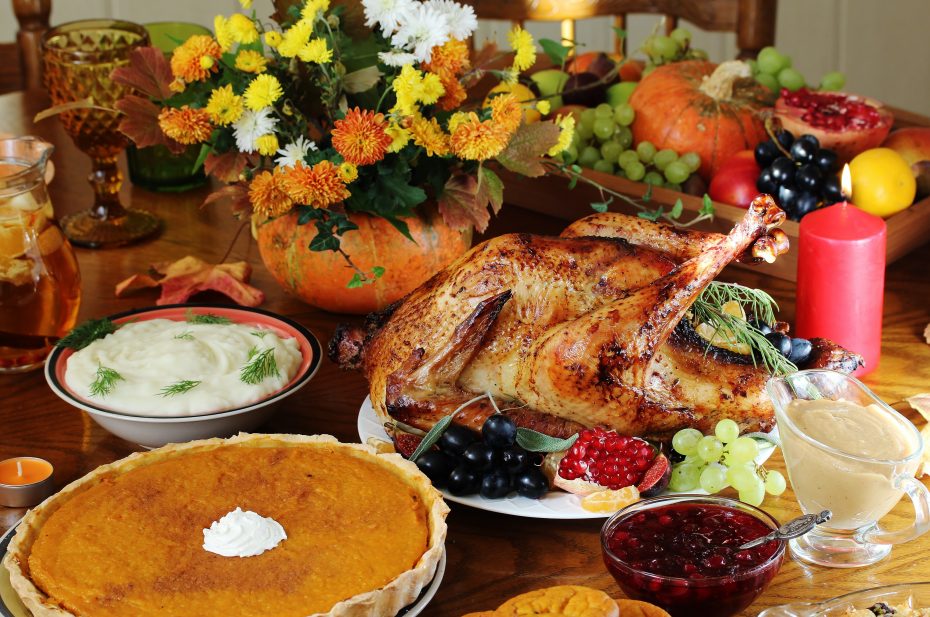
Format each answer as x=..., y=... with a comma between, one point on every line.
x=753, y=21
x=21, y=62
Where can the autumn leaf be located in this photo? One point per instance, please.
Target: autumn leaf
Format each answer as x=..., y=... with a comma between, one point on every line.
x=921, y=402
x=181, y=279
x=460, y=206
x=490, y=189
x=225, y=167
x=237, y=193
x=524, y=153
x=148, y=72
x=140, y=123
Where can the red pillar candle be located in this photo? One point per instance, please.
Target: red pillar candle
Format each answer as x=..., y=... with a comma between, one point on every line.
x=841, y=279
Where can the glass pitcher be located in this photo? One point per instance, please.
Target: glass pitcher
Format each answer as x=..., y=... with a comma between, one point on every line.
x=40, y=286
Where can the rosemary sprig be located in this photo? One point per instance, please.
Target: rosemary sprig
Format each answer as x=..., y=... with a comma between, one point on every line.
x=261, y=365
x=83, y=335
x=104, y=381
x=708, y=308
x=206, y=318
x=179, y=387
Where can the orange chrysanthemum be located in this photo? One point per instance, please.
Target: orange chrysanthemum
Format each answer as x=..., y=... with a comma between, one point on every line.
x=319, y=186
x=269, y=195
x=450, y=58
x=196, y=58
x=360, y=137
x=475, y=140
x=506, y=112
x=185, y=125
x=428, y=135
x=455, y=92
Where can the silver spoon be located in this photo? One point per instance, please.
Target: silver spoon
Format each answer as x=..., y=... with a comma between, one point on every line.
x=794, y=528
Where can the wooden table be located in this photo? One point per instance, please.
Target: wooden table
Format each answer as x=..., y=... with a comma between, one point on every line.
x=491, y=556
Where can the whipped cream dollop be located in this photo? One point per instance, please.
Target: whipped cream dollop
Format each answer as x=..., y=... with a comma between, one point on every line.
x=243, y=534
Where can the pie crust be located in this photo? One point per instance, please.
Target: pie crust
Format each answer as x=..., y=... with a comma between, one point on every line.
x=385, y=601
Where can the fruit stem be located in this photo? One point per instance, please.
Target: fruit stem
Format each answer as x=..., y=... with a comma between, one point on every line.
x=719, y=84
x=770, y=131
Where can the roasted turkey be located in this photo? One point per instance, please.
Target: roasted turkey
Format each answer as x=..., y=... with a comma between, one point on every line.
x=585, y=329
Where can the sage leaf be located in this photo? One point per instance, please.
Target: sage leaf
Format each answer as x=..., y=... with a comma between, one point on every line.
x=432, y=437
x=534, y=441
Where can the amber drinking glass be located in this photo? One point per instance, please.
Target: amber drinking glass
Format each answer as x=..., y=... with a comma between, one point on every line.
x=79, y=57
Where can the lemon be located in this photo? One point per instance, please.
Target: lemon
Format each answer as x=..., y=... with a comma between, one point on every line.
x=609, y=501
x=522, y=93
x=882, y=182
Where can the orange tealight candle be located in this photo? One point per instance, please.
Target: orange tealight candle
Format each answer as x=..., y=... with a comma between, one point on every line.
x=25, y=481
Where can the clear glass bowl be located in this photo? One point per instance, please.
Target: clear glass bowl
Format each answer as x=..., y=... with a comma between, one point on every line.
x=914, y=595
x=713, y=596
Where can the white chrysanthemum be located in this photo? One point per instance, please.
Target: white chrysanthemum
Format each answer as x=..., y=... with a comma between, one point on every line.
x=461, y=17
x=388, y=14
x=295, y=152
x=423, y=28
x=252, y=125
x=396, y=57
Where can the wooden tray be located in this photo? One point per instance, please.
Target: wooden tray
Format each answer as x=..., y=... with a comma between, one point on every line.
x=550, y=195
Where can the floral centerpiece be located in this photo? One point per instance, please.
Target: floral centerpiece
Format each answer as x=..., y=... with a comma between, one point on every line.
x=340, y=112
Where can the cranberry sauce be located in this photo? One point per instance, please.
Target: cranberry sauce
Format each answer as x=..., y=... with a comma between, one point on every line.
x=684, y=558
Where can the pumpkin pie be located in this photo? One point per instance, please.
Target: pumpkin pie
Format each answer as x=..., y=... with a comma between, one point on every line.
x=365, y=532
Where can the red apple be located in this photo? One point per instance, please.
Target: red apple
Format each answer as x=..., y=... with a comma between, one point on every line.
x=913, y=144
x=735, y=180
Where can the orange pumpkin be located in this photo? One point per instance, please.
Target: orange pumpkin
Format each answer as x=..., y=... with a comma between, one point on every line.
x=320, y=278
x=698, y=106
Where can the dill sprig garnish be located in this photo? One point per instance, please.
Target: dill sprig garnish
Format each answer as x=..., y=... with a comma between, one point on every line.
x=206, y=318
x=259, y=333
x=83, y=335
x=179, y=387
x=104, y=381
x=184, y=336
x=261, y=364
x=708, y=308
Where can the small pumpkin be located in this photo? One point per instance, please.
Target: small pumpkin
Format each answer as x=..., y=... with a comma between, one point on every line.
x=698, y=106
x=320, y=278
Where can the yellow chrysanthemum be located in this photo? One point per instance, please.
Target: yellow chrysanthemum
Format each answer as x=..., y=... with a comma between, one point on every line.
x=475, y=140
x=224, y=106
x=263, y=91
x=456, y=120
x=428, y=135
x=313, y=7
x=268, y=193
x=348, y=172
x=273, y=38
x=243, y=29
x=319, y=186
x=506, y=112
x=360, y=137
x=399, y=135
x=521, y=42
x=543, y=107
x=412, y=87
x=267, y=144
x=177, y=85
x=186, y=61
x=185, y=125
x=317, y=51
x=295, y=38
x=223, y=33
x=251, y=61
x=246, y=4
x=567, y=124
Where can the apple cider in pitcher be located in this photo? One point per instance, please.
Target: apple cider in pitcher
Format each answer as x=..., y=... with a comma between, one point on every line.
x=39, y=279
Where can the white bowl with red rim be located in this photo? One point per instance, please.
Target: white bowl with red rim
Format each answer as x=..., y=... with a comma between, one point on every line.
x=153, y=432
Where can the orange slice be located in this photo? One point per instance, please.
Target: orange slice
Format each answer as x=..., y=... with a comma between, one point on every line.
x=609, y=501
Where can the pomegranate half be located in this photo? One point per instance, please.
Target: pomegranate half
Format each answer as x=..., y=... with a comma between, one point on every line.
x=845, y=123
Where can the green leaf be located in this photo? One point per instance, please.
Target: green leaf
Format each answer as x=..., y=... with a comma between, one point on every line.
x=524, y=154
x=361, y=80
x=648, y=194
x=432, y=437
x=555, y=50
x=377, y=271
x=677, y=209
x=620, y=32
x=356, y=281
x=324, y=243
x=86, y=333
x=491, y=187
x=601, y=206
x=707, y=206
x=534, y=441
x=651, y=215
x=205, y=150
